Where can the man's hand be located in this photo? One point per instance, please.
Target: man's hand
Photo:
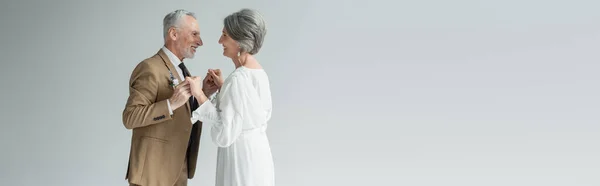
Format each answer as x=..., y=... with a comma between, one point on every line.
x=181, y=95
x=216, y=76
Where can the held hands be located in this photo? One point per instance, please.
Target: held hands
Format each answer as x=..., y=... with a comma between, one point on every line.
x=196, y=89
x=212, y=82
x=208, y=85
x=191, y=87
x=182, y=93
x=216, y=76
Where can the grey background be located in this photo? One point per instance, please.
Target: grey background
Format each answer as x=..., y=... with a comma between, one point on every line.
x=420, y=93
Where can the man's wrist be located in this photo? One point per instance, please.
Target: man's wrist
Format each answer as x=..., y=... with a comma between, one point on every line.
x=172, y=104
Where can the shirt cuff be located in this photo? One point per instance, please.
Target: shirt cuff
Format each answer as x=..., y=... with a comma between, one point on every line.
x=206, y=112
x=169, y=105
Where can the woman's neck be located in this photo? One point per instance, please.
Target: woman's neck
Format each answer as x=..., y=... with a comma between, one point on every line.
x=242, y=60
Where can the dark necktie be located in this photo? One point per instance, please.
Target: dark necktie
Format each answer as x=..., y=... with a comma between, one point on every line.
x=193, y=103
x=194, y=142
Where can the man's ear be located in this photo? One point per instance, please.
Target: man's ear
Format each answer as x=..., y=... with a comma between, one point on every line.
x=173, y=33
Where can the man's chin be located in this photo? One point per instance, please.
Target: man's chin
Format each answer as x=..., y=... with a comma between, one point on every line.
x=189, y=56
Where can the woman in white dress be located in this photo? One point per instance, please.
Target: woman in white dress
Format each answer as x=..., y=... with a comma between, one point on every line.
x=239, y=113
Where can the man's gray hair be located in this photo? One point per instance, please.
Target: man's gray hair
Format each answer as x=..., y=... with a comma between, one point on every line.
x=173, y=19
x=248, y=28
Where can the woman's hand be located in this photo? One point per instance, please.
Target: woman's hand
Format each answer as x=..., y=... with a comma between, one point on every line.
x=208, y=85
x=196, y=88
x=217, y=77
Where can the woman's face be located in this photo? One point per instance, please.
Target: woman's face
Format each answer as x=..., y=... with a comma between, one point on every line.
x=230, y=47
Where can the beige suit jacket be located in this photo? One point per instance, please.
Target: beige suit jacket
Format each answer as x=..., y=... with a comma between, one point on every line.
x=160, y=142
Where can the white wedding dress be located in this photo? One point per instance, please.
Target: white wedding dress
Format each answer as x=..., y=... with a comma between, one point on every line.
x=238, y=119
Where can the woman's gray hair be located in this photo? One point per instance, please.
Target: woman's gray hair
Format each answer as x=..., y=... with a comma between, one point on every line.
x=173, y=19
x=248, y=28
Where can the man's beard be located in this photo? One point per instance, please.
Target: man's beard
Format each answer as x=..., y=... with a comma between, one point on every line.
x=188, y=53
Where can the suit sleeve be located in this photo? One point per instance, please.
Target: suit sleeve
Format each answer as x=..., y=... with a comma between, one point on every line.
x=141, y=110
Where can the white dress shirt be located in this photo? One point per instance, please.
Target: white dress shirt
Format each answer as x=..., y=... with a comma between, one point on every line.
x=175, y=61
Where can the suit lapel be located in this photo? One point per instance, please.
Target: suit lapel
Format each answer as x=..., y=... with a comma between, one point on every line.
x=173, y=70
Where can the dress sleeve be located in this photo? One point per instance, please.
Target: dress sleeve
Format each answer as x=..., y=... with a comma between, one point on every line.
x=237, y=107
